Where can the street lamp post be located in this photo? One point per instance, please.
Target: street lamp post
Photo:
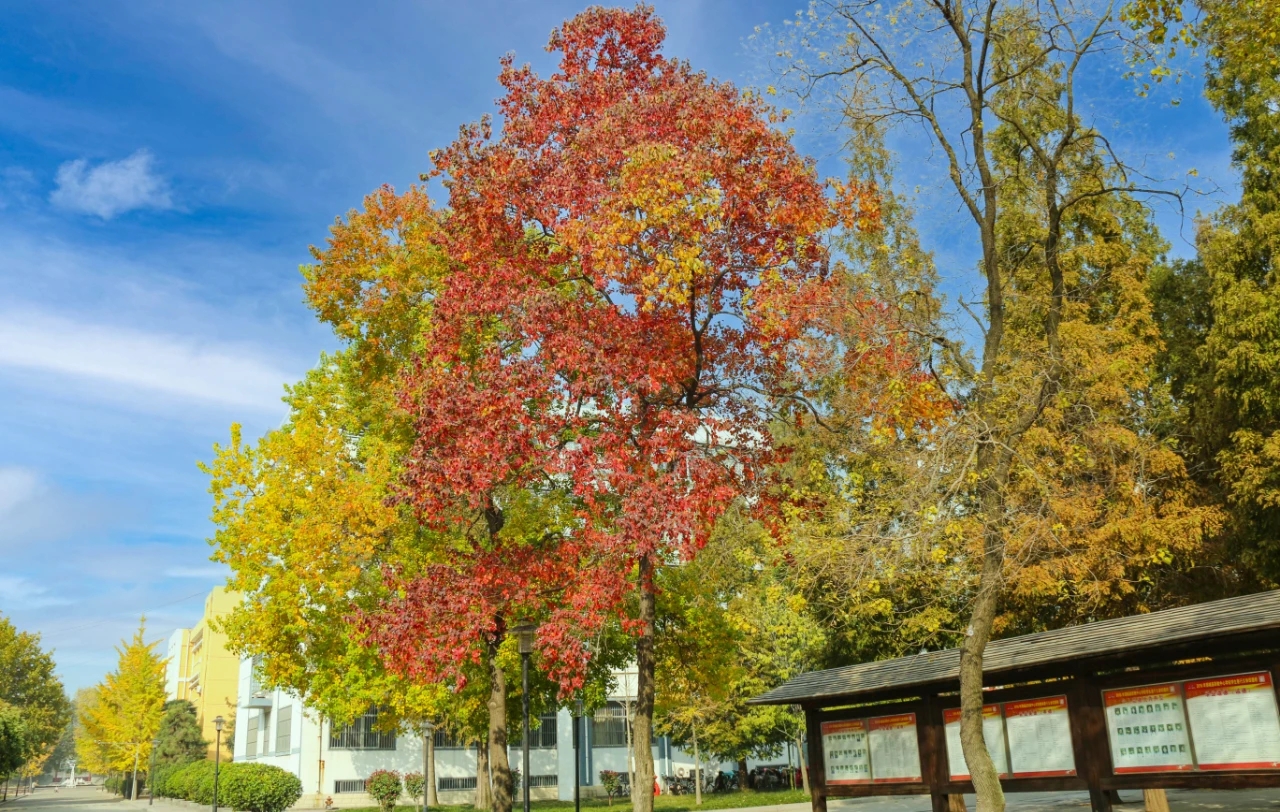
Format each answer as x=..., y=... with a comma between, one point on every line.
x=218, y=722
x=151, y=775
x=525, y=637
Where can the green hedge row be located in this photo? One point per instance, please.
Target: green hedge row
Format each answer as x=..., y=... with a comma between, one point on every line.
x=241, y=786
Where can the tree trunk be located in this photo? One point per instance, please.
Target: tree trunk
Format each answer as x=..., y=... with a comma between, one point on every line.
x=499, y=765
x=955, y=803
x=134, y=788
x=742, y=775
x=804, y=764
x=642, y=737
x=429, y=776
x=697, y=769
x=1155, y=800
x=986, y=779
x=484, y=794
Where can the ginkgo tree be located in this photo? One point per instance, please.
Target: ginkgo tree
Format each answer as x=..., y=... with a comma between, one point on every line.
x=117, y=727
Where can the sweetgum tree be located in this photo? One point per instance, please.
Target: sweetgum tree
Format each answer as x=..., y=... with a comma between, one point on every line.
x=635, y=261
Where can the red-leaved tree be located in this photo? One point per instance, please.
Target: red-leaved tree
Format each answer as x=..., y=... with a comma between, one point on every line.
x=637, y=257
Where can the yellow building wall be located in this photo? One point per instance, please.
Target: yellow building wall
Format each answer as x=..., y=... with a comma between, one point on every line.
x=212, y=674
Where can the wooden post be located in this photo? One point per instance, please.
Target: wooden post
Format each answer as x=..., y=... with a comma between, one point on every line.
x=931, y=739
x=1089, y=739
x=817, y=761
x=1155, y=800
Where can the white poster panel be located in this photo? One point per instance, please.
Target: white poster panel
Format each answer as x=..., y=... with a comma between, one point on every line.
x=895, y=749
x=992, y=733
x=1147, y=727
x=845, y=752
x=1234, y=723
x=1039, y=737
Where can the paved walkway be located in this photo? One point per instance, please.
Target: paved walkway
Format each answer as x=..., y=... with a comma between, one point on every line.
x=92, y=799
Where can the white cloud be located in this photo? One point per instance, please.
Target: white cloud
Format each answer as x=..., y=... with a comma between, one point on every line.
x=111, y=188
x=18, y=486
x=158, y=363
x=16, y=591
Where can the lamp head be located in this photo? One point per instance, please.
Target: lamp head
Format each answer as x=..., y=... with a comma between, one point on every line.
x=526, y=634
x=218, y=722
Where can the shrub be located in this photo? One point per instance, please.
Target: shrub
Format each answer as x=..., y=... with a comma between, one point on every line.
x=384, y=787
x=612, y=783
x=414, y=785
x=257, y=788
x=186, y=781
x=112, y=784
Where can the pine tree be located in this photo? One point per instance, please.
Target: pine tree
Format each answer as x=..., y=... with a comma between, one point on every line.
x=179, y=739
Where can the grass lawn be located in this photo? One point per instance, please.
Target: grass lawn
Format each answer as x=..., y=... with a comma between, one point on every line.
x=666, y=803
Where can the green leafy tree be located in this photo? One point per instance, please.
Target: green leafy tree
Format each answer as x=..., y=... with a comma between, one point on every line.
x=179, y=739
x=28, y=683
x=15, y=741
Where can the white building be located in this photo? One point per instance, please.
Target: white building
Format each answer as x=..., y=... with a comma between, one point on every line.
x=273, y=727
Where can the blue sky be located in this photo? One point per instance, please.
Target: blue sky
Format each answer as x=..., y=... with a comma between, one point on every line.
x=163, y=168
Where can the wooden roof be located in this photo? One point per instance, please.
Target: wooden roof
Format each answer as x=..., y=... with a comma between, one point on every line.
x=1170, y=629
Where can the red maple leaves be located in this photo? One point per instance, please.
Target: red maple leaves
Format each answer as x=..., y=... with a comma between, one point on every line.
x=637, y=257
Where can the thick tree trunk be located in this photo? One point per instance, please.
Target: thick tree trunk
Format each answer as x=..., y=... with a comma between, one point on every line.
x=742, y=775
x=642, y=735
x=484, y=790
x=134, y=788
x=499, y=765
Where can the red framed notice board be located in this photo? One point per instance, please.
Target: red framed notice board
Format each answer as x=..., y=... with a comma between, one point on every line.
x=1147, y=729
x=895, y=749
x=846, y=752
x=1234, y=722
x=1039, y=733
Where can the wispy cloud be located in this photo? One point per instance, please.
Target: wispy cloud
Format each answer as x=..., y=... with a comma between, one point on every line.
x=208, y=573
x=16, y=591
x=159, y=363
x=111, y=188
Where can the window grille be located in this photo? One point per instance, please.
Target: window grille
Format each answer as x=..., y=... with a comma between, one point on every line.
x=445, y=784
x=609, y=726
x=284, y=727
x=360, y=735
x=544, y=735
x=538, y=781
x=448, y=741
x=348, y=785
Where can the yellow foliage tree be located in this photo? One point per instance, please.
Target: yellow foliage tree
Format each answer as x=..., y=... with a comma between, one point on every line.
x=120, y=722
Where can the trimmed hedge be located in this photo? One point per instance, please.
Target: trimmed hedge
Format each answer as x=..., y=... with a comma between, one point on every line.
x=241, y=786
x=258, y=788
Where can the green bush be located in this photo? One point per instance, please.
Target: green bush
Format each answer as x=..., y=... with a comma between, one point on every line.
x=414, y=785
x=384, y=787
x=112, y=784
x=183, y=782
x=257, y=788
x=612, y=783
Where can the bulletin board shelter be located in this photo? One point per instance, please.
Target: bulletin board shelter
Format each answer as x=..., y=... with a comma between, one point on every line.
x=1181, y=698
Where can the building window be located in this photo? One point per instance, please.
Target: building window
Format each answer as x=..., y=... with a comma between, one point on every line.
x=544, y=735
x=348, y=785
x=544, y=781
x=284, y=726
x=251, y=737
x=447, y=784
x=609, y=726
x=448, y=741
x=360, y=735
